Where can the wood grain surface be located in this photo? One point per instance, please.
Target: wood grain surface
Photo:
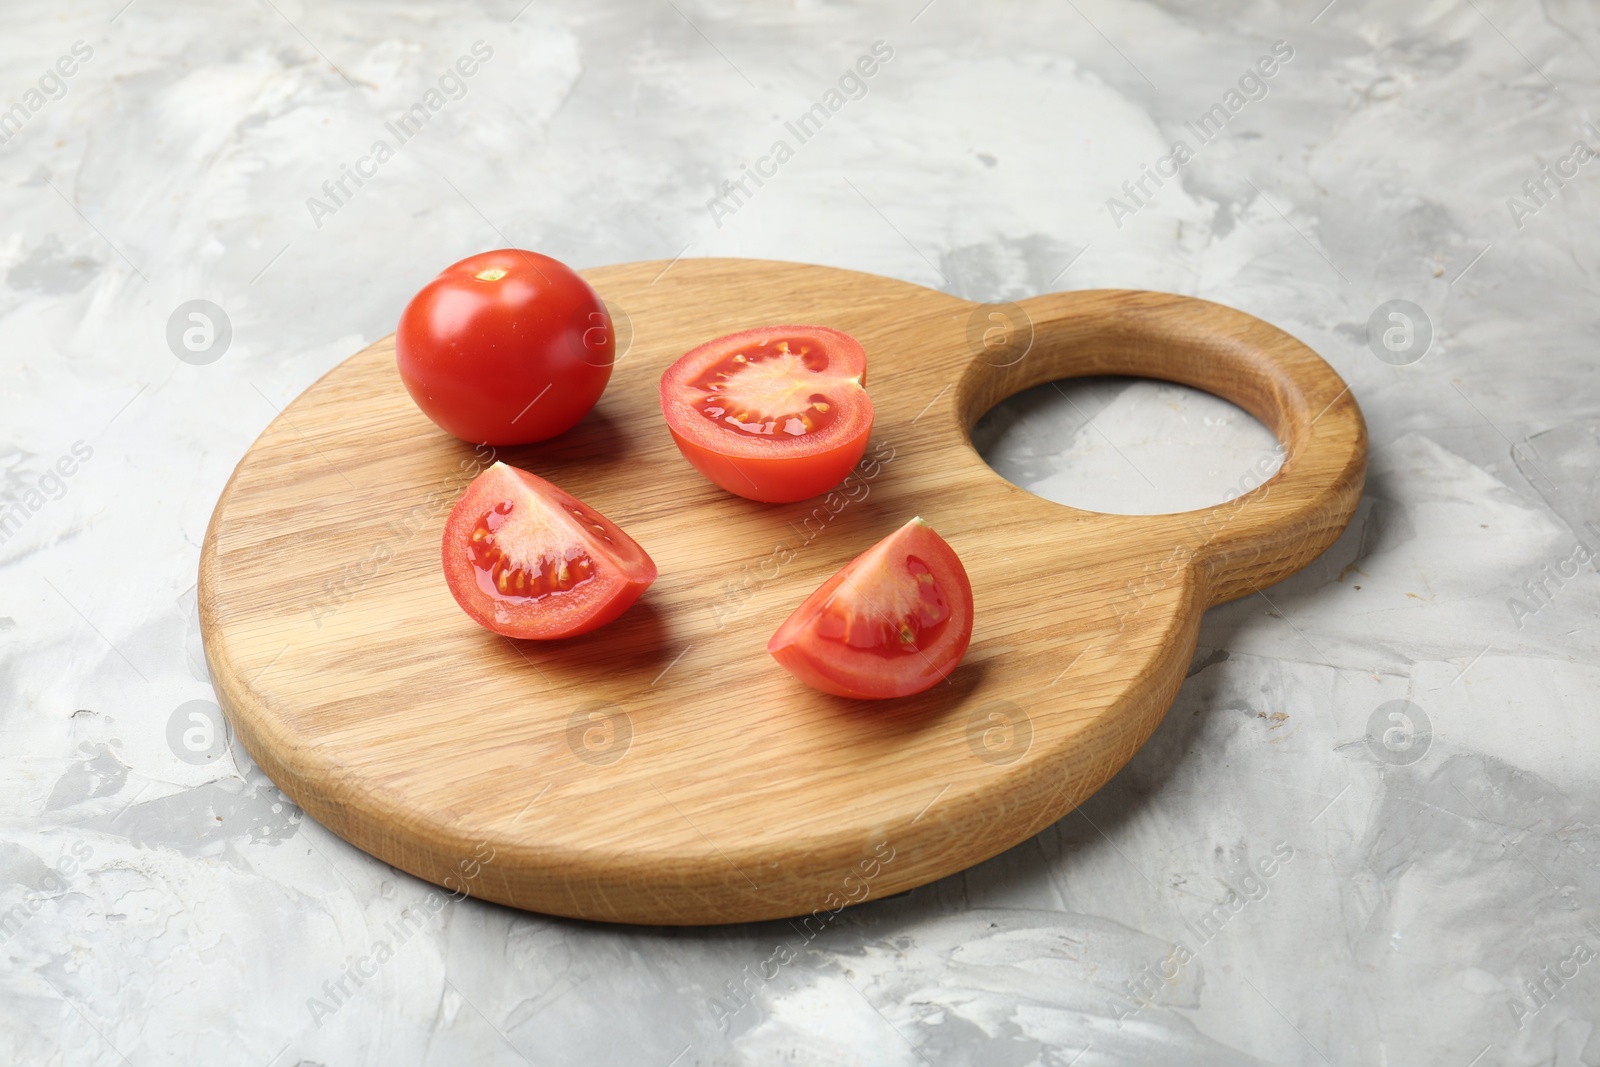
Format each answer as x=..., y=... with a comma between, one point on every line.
x=664, y=769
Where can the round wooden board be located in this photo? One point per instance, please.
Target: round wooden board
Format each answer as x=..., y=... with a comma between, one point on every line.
x=664, y=769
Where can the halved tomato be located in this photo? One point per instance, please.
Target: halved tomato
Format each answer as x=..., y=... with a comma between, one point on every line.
x=895, y=621
x=527, y=559
x=775, y=414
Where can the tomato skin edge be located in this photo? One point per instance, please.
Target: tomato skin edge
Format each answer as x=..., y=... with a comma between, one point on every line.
x=620, y=602
x=812, y=672
x=775, y=480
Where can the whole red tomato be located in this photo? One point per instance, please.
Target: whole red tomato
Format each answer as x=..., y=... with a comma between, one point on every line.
x=505, y=348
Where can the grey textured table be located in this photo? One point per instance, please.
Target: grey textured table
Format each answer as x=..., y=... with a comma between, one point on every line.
x=1367, y=831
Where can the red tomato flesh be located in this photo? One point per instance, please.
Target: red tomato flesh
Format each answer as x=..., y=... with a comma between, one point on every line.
x=505, y=348
x=895, y=621
x=775, y=414
x=526, y=559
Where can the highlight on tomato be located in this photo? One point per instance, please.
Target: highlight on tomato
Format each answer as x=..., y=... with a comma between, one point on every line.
x=524, y=558
x=776, y=414
x=895, y=621
x=505, y=348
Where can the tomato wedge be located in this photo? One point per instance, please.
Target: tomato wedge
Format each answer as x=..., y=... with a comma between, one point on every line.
x=527, y=559
x=895, y=621
x=775, y=414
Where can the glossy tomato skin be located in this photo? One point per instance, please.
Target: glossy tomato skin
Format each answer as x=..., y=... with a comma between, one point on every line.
x=544, y=532
x=778, y=480
x=505, y=348
x=829, y=661
x=775, y=467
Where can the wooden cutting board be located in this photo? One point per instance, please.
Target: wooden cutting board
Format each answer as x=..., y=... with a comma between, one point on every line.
x=664, y=769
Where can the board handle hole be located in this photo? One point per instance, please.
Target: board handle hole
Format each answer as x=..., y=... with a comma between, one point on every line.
x=1126, y=445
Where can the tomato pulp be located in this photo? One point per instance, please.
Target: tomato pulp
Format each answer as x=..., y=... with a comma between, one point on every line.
x=524, y=558
x=895, y=621
x=776, y=414
x=505, y=348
